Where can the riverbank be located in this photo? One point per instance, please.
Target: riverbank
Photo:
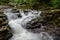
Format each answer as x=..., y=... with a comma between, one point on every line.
x=24, y=7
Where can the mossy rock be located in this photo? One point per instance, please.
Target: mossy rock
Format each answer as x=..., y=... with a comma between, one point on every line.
x=51, y=17
x=1, y=11
x=5, y=33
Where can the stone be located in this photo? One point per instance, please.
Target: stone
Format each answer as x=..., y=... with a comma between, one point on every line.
x=5, y=32
x=48, y=21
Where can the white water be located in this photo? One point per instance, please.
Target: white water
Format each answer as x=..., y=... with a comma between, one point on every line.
x=10, y=15
x=19, y=33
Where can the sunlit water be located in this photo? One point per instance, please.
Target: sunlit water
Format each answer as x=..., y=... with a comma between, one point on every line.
x=19, y=33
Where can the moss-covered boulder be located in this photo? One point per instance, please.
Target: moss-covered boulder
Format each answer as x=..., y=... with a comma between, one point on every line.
x=5, y=33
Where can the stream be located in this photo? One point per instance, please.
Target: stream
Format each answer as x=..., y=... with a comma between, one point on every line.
x=18, y=25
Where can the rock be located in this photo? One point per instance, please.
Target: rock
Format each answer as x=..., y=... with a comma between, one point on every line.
x=52, y=18
x=48, y=21
x=15, y=10
x=5, y=32
x=11, y=4
x=34, y=26
x=4, y=6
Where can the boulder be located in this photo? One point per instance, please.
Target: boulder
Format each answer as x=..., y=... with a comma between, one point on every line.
x=48, y=21
x=5, y=32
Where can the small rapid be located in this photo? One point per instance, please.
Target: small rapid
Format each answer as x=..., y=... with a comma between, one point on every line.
x=20, y=33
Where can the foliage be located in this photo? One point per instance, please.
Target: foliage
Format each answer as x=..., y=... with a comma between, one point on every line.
x=35, y=3
x=55, y=3
x=5, y=1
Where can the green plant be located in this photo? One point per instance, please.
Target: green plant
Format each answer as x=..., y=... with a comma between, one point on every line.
x=55, y=3
x=5, y=1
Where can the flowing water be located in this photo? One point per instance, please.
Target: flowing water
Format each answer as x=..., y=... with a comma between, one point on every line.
x=19, y=33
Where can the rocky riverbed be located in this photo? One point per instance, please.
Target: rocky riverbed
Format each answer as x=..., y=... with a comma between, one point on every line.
x=50, y=19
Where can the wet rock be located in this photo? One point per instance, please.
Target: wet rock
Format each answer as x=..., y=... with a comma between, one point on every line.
x=34, y=26
x=49, y=21
x=4, y=6
x=5, y=32
x=15, y=10
x=52, y=18
x=1, y=14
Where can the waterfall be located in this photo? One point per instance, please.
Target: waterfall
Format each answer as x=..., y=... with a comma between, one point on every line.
x=10, y=15
x=22, y=13
x=19, y=33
